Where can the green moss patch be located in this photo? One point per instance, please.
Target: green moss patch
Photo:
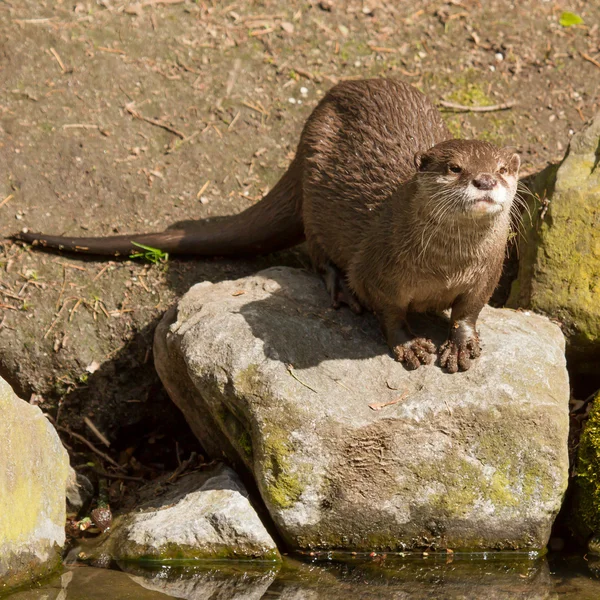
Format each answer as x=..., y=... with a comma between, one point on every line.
x=586, y=517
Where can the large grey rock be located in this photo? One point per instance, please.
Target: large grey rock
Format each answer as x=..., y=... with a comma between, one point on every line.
x=266, y=373
x=205, y=515
x=34, y=466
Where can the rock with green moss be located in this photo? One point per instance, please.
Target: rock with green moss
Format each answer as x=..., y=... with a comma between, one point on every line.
x=559, y=271
x=348, y=449
x=34, y=467
x=205, y=515
x=585, y=518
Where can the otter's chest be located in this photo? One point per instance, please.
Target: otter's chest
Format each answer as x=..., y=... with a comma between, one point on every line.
x=438, y=289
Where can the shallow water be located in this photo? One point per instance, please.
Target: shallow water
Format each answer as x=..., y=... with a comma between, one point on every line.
x=443, y=577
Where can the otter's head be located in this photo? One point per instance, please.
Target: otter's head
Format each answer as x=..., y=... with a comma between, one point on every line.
x=469, y=177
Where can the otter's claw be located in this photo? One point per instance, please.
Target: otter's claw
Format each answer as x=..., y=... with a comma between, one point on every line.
x=456, y=356
x=415, y=353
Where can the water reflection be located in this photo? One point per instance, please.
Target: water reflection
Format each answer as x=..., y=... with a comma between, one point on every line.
x=491, y=577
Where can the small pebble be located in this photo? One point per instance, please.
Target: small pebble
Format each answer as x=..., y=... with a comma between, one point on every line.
x=304, y=91
x=292, y=100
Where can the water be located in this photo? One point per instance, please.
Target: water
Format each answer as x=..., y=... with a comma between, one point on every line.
x=436, y=577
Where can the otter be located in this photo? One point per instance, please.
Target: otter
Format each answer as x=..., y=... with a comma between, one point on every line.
x=398, y=216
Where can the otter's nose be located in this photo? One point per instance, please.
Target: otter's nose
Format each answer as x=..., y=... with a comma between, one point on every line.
x=484, y=181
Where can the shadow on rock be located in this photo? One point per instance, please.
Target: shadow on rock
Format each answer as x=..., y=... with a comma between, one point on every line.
x=295, y=331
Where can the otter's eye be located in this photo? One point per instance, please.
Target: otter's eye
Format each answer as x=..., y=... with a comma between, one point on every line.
x=503, y=170
x=454, y=169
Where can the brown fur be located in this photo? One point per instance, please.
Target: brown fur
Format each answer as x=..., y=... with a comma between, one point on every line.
x=391, y=237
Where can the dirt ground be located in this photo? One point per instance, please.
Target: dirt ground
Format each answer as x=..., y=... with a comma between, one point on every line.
x=123, y=116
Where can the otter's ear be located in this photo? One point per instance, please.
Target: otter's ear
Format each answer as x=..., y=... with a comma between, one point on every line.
x=514, y=163
x=422, y=161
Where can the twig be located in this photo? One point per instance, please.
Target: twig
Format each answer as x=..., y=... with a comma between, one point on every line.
x=91, y=446
x=265, y=31
x=258, y=109
x=96, y=432
x=182, y=467
x=111, y=50
x=156, y=2
x=86, y=126
x=234, y=120
x=382, y=49
x=6, y=200
x=101, y=272
x=463, y=108
x=58, y=60
x=303, y=73
x=72, y=311
x=380, y=405
x=117, y=476
x=58, y=315
x=68, y=266
x=203, y=189
x=136, y=115
x=589, y=59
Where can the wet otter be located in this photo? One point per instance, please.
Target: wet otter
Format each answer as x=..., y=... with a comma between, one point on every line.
x=398, y=216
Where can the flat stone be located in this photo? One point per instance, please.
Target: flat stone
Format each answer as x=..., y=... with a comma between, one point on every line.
x=34, y=466
x=267, y=374
x=204, y=515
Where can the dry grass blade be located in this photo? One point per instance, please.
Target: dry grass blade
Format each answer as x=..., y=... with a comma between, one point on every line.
x=379, y=405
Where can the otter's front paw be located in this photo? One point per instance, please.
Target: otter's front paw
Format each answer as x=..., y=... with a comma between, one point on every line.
x=456, y=356
x=415, y=353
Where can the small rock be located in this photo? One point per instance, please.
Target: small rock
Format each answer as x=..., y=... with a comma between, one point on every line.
x=79, y=492
x=205, y=515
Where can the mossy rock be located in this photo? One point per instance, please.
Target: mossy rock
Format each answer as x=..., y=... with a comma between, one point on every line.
x=585, y=519
x=559, y=271
x=34, y=467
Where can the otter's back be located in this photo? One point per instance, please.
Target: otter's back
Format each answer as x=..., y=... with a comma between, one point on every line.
x=357, y=147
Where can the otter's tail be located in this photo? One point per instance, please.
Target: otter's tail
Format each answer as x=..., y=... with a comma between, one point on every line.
x=272, y=224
